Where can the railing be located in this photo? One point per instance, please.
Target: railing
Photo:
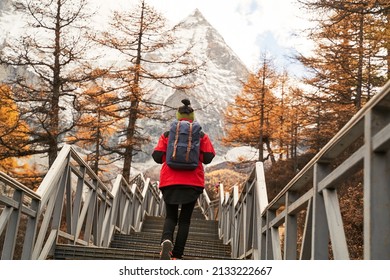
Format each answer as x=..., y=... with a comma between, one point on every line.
x=311, y=198
x=71, y=206
x=239, y=215
x=208, y=208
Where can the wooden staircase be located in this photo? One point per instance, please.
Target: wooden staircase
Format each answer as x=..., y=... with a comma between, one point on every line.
x=203, y=243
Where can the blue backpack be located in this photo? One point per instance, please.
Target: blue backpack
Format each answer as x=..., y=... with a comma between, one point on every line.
x=183, y=145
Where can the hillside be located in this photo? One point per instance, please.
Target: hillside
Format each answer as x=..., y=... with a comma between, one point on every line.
x=219, y=81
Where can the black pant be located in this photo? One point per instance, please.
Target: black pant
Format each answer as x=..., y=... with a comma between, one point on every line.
x=183, y=221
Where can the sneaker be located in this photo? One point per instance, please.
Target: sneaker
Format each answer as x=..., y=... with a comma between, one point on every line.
x=166, y=250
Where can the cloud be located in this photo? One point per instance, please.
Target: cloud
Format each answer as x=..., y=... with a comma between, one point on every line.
x=245, y=25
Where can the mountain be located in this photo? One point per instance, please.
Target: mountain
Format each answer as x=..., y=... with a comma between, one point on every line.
x=5, y=5
x=220, y=81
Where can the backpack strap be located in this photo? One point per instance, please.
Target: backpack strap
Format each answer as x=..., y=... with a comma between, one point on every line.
x=176, y=140
x=166, y=134
x=189, y=143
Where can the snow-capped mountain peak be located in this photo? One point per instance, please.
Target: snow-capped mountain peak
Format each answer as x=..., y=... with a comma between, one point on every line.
x=219, y=81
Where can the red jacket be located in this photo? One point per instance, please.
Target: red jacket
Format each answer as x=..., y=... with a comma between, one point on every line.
x=169, y=176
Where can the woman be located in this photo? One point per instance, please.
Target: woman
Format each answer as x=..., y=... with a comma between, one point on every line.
x=180, y=188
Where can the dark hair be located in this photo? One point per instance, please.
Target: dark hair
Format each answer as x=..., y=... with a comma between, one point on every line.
x=186, y=109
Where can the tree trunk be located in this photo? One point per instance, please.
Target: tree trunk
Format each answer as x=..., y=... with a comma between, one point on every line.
x=135, y=100
x=359, y=78
x=54, y=118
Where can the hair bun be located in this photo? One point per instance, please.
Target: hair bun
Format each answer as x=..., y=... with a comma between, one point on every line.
x=186, y=102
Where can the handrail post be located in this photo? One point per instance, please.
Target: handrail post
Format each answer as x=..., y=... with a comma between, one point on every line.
x=376, y=190
x=261, y=188
x=221, y=212
x=320, y=234
x=261, y=202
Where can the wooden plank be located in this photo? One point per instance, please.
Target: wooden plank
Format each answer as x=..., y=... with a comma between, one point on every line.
x=291, y=230
x=305, y=252
x=376, y=194
x=336, y=226
x=320, y=237
x=300, y=203
x=343, y=170
x=49, y=245
x=381, y=140
x=4, y=217
x=276, y=249
x=9, y=181
x=261, y=188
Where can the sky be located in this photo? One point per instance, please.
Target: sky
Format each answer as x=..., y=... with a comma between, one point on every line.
x=249, y=27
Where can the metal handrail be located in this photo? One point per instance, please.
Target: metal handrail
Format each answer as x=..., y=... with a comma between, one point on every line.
x=313, y=193
x=72, y=206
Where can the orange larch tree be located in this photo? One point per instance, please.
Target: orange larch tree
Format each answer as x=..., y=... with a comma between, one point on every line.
x=13, y=148
x=251, y=119
x=99, y=120
x=49, y=56
x=138, y=37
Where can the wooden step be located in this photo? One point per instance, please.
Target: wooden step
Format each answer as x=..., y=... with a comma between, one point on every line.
x=203, y=243
x=74, y=252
